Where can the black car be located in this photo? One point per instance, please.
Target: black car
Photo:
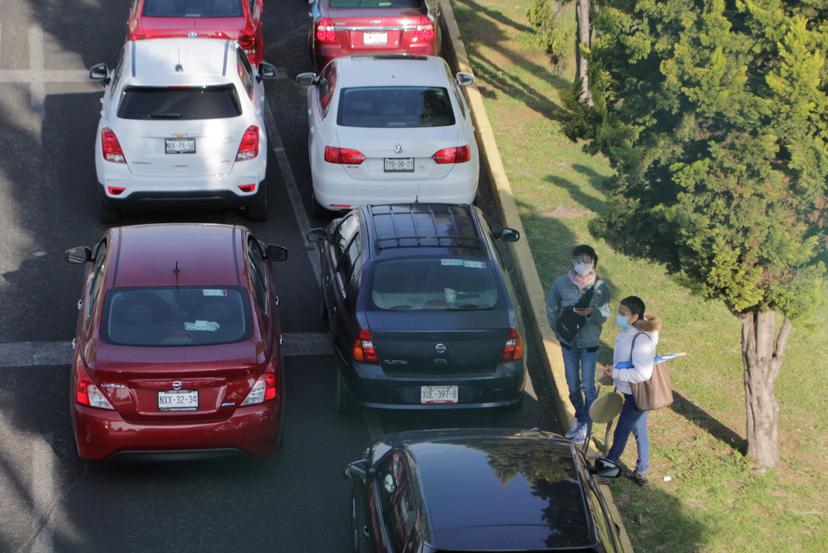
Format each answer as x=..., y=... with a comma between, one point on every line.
x=476, y=490
x=422, y=312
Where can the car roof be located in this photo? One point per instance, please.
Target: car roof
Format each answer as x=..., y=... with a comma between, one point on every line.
x=390, y=70
x=399, y=228
x=180, y=61
x=476, y=484
x=205, y=254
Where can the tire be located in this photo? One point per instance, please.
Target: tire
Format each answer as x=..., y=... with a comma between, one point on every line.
x=345, y=404
x=257, y=211
x=108, y=215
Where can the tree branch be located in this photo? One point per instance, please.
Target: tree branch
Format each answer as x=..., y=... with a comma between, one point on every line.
x=779, y=346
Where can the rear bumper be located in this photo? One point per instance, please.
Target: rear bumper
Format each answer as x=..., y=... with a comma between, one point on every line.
x=326, y=52
x=104, y=435
x=371, y=387
x=182, y=199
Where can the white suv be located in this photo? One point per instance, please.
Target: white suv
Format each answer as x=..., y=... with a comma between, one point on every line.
x=182, y=124
x=389, y=129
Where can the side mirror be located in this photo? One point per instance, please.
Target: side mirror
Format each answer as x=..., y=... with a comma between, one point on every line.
x=508, y=235
x=267, y=71
x=464, y=79
x=317, y=235
x=358, y=470
x=605, y=468
x=79, y=255
x=276, y=253
x=99, y=72
x=306, y=79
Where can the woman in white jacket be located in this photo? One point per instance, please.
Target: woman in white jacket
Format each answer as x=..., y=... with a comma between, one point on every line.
x=637, y=343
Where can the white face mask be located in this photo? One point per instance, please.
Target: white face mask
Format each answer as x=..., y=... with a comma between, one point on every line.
x=582, y=269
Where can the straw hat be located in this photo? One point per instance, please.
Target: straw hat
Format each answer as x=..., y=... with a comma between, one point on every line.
x=606, y=407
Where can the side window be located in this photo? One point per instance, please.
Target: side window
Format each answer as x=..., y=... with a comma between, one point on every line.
x=344, y=233
x=258, y=273
x=119, y=67
x=349, y=260
x=245, y=72
x=96, y=283
x=326, y=87
x=396, y=502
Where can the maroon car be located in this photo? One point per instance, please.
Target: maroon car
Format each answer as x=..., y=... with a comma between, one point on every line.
x=177, y=352
x=348, y=27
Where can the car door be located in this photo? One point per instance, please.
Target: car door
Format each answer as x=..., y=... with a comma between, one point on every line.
x=259, y=274
x=348, y=251
x=392, y=508
x=320, y=131
x=253, y=87
x=255, y=8
x=607, y=531
x=114, y=80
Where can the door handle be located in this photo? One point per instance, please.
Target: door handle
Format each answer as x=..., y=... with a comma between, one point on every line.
x=276, y=301
x=74, y=343
x=365, y=533
x=80, y=304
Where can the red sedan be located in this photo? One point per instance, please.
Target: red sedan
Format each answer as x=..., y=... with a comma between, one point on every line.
x=239, y=20
x=348, y=27
x=177, y=352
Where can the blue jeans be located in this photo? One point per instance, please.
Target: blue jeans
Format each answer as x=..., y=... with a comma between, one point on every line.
x=635, y=421
x=579, y=365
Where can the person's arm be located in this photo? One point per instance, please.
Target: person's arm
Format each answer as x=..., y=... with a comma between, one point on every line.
x=553, y=306
x=643, y=356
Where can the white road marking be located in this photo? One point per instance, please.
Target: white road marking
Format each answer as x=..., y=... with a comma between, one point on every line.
x=34, y=354
x=37, y=65
x=43, y=487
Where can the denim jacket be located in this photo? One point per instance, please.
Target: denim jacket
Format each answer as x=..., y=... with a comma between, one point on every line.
x=563, y=294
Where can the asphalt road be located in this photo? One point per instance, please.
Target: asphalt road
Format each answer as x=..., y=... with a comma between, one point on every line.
x=292, y=501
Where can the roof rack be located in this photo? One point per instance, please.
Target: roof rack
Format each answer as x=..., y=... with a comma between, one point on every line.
x=424, y=225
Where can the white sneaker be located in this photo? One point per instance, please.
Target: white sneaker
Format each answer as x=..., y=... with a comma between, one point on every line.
x=580, y=436
x=574, y=429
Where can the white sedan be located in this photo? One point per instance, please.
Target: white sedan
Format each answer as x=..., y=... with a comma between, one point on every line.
x=182, y=123
x=389, y=129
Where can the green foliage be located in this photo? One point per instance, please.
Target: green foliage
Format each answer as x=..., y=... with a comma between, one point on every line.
x=715, y=116
x=553, y=36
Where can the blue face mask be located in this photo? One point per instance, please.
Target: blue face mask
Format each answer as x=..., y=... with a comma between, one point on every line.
x=621, y=321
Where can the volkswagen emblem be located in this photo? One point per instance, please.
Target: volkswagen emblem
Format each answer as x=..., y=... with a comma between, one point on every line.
x=192, y=34
x=440, y=348
x=176, y=385
x=398, y=148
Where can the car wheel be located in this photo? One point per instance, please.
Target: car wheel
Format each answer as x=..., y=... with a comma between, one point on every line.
x=108, y=215
x=258, y=211
x=345, y=404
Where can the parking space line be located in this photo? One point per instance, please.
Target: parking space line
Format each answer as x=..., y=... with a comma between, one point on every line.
x=34, y=354
x=37, y=65
x=43, y=472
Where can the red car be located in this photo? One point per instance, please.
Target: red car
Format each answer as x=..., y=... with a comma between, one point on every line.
x=239, y=20
x=177, y=352
x=347, y=27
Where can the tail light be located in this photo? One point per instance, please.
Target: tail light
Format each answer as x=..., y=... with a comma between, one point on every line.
x=325, y=32
x=249, y=147
x=343, y=156
x=111, y=147
x=248, y=43
x=425, y=29
x=513, y=348
x=247, y=187
x=263, y=390
x=364, y=348
x=460, y=154
x=115, y=190
x=86, y=392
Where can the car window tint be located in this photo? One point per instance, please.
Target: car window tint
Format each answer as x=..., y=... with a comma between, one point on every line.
x=326, y=86
x=376, y=3
x=348, y=261
x=405, y=514
x=203, y=102
x=245, y=72
x=193, y=8
x=389, y=481
x=344, y=233
x=434, y=284
x=395, y=106
x=176, y=316
x=257, y=272
x=96, y=283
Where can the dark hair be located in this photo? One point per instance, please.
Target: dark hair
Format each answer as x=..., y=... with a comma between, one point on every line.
x=635, y=305
x=584, y=249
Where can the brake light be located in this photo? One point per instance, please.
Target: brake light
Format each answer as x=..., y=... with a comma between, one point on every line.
x=263, y=390
x=86, y=392
x=513, y=348
x=460, y=154
x=343, y=156
x=249, y=147
x=115, y=190
x=247, y=187
x=364, y=348
x=248, y=43
x=325, y=32
x=425, y=29
x=111, y=147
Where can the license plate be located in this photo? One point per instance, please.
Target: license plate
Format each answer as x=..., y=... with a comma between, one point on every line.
x=438, y=394
x=181, y=400
x=373, y=39
x=399, y=164
x=179, y=145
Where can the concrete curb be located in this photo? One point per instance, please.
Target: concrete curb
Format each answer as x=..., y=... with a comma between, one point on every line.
x=529, y=281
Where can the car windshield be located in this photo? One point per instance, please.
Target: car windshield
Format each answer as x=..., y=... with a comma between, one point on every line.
x=184, y=316
x=179, y=103
x=192, y=8
x=395, y=106
x=434, y=284
x=376, y=3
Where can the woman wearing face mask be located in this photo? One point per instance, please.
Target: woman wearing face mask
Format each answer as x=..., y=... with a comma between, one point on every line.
x=580, y=354
x=637, y=343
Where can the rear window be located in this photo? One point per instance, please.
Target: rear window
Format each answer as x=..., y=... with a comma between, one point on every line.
x=434, y=284
x=182, y=103
x=389, y=106
x=193, y=8
x=183, y=316
x=376, y=3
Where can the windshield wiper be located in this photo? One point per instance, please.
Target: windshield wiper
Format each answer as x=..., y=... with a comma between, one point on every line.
x=165, y=115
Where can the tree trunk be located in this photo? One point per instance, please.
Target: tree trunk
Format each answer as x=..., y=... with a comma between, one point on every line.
x=582, y=39
x=762, y=353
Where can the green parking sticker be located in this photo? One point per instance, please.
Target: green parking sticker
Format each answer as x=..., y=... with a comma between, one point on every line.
x=451, y=262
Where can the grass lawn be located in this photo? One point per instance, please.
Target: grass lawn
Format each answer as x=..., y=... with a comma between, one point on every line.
x=715, y=500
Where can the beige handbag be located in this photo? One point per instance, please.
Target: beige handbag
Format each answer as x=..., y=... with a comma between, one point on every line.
x=656, y=392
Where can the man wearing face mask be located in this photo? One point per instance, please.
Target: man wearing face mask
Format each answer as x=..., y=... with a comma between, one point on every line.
x=580, y=352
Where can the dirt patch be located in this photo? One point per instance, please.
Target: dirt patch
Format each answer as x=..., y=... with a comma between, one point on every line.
x=567, y=212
